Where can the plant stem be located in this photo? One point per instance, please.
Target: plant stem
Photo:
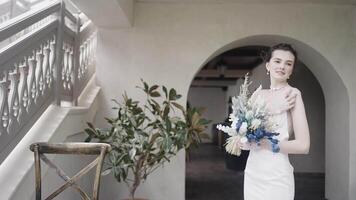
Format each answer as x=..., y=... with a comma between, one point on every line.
x=137, y=176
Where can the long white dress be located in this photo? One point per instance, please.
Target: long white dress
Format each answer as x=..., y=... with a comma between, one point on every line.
x=269, y=175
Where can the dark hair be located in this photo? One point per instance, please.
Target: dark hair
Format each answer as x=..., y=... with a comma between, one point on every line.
x=281, y=46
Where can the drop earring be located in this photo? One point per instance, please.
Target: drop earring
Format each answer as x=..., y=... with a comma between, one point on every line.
x=267, y=72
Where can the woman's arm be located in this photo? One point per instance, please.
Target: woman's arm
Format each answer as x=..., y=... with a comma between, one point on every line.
x=301, y=143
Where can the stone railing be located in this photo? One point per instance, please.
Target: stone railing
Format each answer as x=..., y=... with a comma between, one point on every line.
x=49, y=59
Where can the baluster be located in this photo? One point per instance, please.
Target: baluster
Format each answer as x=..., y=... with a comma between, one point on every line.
x=46, y=68
x=39, y=73
x=70, y=69
x=23, y=89
x=32, y=86
x=13, y=98
x=81, y=62
x=52, y=60
x=91, y=54
x=4, y=107
x=86, y=56
x=65, y=67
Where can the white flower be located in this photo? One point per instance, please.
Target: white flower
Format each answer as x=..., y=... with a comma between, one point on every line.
x=232, y=145
x=230, y=131
x=255, y=123
x=249, y=115
x=243, y=140
x=243, y=128
x=232, y=117
x=234, y=123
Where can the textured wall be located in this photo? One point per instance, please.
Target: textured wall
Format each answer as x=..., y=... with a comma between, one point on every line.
x=169, y=42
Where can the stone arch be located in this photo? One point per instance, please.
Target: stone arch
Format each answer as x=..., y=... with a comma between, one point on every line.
x=337, y=108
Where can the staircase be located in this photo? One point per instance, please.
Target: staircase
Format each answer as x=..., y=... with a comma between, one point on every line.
x=47, y=86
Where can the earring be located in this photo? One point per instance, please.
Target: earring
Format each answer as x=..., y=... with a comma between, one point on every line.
x=267, y=72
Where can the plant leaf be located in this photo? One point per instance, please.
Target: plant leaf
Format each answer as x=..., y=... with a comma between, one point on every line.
x=172, y=94
x=177, y=105
x=166, y=111
x=165, y=91
x=154, y=87
x=155, y=94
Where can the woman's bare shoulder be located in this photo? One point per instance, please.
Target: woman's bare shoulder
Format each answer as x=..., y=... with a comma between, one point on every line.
x=295, y=90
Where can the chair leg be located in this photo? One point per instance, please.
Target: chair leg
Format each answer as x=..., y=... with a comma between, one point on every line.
x=37, y=173
x=98, y=174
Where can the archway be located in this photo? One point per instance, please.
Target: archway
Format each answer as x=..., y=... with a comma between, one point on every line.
x=336, y=108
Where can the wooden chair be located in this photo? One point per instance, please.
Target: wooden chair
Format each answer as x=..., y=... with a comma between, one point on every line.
x=40, y=149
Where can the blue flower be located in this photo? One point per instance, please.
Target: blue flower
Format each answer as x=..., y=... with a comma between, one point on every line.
x=238, y=125
x=259, y=133
x=250, y=137
x=274, y=141
x=275, y=148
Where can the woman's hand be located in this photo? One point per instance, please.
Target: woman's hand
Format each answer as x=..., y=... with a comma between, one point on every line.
x=245, y=146
x=289, y=99
x=248, y=146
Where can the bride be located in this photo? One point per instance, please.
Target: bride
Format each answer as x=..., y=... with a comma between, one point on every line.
x=269, y=175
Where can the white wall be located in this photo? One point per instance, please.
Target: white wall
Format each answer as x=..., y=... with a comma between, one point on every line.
x=171, y=41
x=213, y=99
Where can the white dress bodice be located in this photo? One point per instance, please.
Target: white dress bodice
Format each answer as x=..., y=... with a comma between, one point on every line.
x=269, y=175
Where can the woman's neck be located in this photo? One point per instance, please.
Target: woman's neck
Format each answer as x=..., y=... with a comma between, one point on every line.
x=278, y=84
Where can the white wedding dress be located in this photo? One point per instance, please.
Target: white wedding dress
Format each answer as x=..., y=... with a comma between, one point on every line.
x=269, y=175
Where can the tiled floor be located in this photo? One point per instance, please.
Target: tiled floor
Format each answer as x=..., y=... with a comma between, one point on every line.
x=208, y=179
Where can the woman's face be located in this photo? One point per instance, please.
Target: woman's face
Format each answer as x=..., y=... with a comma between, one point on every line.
x=280, y=66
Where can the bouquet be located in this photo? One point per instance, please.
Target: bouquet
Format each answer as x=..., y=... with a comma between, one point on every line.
x=250, y=121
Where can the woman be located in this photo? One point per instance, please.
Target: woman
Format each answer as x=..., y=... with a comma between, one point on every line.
x=269, y=175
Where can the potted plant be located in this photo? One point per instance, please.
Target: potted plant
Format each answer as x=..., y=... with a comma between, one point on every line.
x=143, y=136
x=196, y=126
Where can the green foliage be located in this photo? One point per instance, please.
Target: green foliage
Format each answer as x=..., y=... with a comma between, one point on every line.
x=143, y=137
x=196, y=127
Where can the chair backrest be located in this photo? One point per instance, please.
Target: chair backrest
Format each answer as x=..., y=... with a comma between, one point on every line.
x=40, y=149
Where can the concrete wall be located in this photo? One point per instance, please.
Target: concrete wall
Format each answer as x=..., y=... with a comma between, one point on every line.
x=171, y=41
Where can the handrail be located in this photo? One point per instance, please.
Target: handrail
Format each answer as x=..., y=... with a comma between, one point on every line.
x=16, y=24
x=86, y=29
x=44, y=62
x=7, y=53
x=70, y=15
x=69, y=31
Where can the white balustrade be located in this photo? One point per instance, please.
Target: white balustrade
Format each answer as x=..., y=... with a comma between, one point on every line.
x=28, y=71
